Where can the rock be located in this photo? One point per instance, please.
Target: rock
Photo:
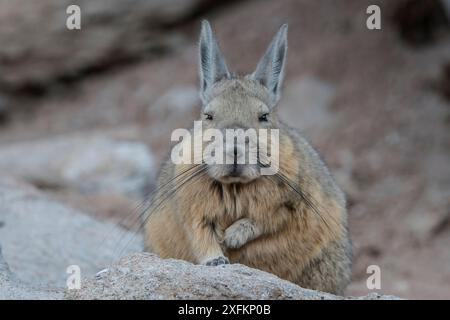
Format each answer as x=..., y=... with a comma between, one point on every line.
x=422, y=22
x=145, y=276
x=306, y=103
x=41, y=237
x=176, y=103
x=4, y=108
x=37, y=48
x=5, y=273
x=12, y=288
x=176, y=107
x=87, y=163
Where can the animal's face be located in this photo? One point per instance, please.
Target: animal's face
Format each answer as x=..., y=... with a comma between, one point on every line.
x=239, y=103
x=240, y=107
x=240, y=116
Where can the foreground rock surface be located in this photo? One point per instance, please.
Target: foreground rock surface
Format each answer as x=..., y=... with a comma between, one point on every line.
x=13, y=288
x=145, y=276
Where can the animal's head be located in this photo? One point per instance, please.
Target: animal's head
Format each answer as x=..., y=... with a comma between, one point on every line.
x=231, y=102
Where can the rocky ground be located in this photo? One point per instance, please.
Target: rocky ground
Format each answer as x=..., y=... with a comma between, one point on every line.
x=85, y=118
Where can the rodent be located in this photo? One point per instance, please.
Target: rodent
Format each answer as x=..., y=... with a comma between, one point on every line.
x=292, y=224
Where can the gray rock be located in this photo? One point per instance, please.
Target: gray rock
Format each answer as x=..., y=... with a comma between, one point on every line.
x=87, y=163
x=145, y=276
x=306, y=103
x=175, y=107
x=37, y=47
x=4, y=106
x=177, y=102
x=41, y=238
x=13, y=288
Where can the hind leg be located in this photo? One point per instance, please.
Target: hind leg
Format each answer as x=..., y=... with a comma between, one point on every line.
x=166, y=245
x=330, y=272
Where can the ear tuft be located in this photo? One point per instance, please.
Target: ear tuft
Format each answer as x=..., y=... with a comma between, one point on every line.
x=270, y=69
x=212, y=64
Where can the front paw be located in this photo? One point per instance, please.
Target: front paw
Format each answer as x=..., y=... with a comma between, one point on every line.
x=233, y=240
x=237, y=235
x=217, y=261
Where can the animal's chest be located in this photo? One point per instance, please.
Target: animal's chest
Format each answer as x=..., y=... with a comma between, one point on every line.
x=234, y=201
x=240, y=202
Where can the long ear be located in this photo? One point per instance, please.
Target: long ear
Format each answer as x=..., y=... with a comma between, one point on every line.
x=212, y=64
x=269, y=71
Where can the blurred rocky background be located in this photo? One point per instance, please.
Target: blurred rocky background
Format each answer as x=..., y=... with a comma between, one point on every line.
x=86, y=117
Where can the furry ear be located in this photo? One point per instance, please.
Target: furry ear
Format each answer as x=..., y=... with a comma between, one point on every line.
x=269, y=71
x=212, y=64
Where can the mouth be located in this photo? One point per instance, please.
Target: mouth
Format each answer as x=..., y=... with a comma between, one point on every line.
x=235, y=173
x=230, y=179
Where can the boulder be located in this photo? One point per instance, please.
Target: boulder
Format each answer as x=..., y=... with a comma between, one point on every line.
x=306, y=104
x=86, y=163
x=175, y=108
x=38, y=48
x=175, y=104
x=146, y=276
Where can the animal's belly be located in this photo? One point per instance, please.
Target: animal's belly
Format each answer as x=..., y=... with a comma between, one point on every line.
x=282, y=254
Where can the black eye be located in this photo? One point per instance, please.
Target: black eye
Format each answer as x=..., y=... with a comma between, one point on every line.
x=263, y=118
x=208, y=116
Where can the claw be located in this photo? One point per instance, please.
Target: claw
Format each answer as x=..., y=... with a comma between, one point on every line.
x=217, y=261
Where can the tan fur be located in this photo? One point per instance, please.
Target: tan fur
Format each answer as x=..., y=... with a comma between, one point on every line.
x=286, y=236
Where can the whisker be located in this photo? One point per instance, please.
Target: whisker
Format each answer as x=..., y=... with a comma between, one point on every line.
x=148, y=211
x=147, y=202
x=134, y=217
x=304, y=195
x=138, y=207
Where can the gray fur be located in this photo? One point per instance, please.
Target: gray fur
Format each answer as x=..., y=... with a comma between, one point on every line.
x=213, y=67
x=270, y=69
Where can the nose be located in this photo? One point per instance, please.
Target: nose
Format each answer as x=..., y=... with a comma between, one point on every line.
x=234, y=154
x=236, y=170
